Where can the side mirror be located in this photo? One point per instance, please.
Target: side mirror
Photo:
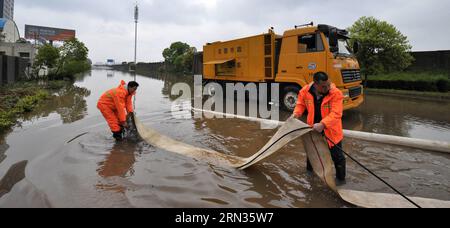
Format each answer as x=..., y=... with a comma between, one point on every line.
x=333, y=38
x=356, y=47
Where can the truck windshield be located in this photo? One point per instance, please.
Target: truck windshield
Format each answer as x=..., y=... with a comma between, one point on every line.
x=344, y=48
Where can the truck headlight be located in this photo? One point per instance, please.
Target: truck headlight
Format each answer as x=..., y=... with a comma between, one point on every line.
x=346, y=94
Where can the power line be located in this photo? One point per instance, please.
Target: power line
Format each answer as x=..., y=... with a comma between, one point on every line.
x=375, y=175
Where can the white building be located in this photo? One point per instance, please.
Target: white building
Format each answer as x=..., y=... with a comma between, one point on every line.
x=11, y=44
x=9, y=32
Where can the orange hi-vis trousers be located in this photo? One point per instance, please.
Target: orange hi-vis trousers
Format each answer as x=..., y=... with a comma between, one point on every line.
x=110, y=117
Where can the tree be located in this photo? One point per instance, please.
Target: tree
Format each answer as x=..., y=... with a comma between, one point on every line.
x=73, y=58
x=47, y=56
x=383, y=48
x=180, y=55
x=74, y=49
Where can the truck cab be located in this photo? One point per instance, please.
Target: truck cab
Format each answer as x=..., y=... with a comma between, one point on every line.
x=307, y=50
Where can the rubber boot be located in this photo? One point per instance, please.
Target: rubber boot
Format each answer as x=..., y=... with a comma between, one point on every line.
x=118, y=136
x=341, y=173
x=309, y=167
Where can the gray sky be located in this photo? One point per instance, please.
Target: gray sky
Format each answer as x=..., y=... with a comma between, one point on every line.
x=106, y=26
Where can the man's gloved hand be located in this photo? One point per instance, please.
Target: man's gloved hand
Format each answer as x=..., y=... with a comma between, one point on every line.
x=319, y=127
x=125, y=125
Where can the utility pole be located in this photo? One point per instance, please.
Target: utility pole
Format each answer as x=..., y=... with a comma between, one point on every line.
x=136, y=18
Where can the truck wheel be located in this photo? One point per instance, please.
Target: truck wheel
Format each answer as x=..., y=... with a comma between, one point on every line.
x=289, y=98
x=210, y=91
x=208, y=88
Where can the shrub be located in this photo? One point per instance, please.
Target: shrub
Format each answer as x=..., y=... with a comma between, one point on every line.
x=6, y=120
x=443, y=85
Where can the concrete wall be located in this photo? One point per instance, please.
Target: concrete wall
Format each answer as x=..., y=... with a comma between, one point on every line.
x=150, y=67
x=2, y=71
x=15, y=49
x=121, y=67
x=431, y=61
x=141, y=67
x=12, y=69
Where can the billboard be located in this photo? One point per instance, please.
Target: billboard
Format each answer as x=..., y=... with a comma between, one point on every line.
x=46, y=33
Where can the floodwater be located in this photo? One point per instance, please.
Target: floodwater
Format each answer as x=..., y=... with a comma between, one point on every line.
x=63, y=155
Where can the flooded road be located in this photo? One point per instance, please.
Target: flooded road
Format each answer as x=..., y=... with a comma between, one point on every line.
x=95, y=171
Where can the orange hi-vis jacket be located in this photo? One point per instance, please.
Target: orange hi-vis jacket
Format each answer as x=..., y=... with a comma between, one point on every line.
x=332, y=111
x=115, y=104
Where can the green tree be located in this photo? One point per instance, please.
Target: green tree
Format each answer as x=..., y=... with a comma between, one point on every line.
x=383, y=48
x=180, y=55
x=47, y=56
x=73, y=59
x=74, y=49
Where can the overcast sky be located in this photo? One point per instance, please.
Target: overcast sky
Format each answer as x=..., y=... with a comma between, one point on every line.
x=106, y=26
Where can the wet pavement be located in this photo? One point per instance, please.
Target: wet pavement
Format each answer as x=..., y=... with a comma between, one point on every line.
x=95, y=171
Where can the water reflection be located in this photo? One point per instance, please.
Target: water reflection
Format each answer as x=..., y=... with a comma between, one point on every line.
x=110, y=73
x=69, y=103
x=401, y=117
x=119, y=163
x=171, y=80
x=14, y=175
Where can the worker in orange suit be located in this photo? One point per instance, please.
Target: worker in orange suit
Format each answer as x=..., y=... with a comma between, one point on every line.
x=116, y=104
x=324, y=103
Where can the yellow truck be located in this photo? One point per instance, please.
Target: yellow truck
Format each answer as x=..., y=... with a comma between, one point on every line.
x=290, y=60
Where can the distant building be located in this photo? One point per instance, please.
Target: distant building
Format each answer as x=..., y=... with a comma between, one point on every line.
x=7, y=9
x=11, y=44
x=110, y=62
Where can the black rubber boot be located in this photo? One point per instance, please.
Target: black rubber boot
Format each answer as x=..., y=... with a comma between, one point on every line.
x=341, y=173
x=118, y=136
x=309, y=167
x=339, y=163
